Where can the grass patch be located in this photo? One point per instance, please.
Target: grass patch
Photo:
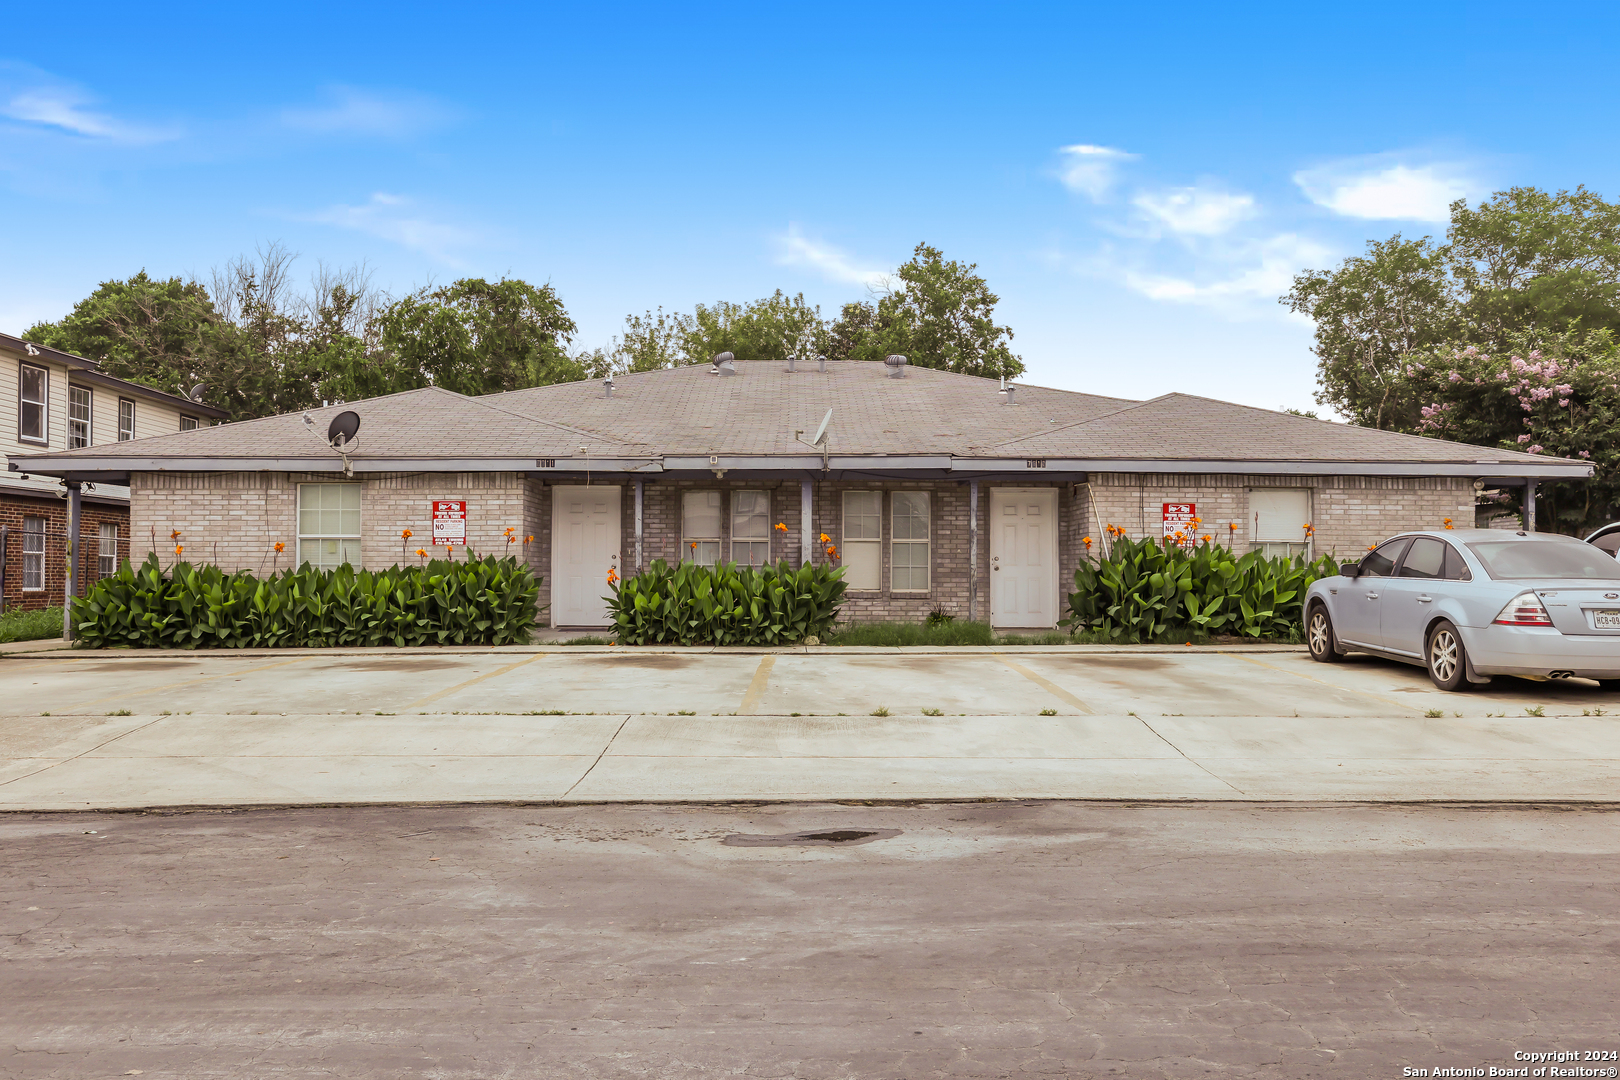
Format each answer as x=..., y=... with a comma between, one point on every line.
x=588, y=639
x=897, y=634
x=932, y=712
x=30, y=625
x=881, y=710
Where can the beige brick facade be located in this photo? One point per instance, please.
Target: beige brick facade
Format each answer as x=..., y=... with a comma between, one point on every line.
x=236, y=518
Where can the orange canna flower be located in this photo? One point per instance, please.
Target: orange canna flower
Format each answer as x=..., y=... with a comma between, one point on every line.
x=1086, y=540
x=692, y=544
x=280, y=547
x=613, y=575
x=780, y=527
x=422, y=552
x=404, y=534
x=175, y=535
x=510, y=530
x=529, y=539
x=825, y=538
x=178, y=549
x=1208, y=538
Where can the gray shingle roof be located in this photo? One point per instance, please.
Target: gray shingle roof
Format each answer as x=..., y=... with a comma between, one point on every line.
x=690, y=411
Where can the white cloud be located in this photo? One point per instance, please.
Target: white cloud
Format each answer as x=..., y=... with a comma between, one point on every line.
x=350, y=111
x=1376, y=189
x=795, y=249
x=1255, y=273
x=39, y=99
x=393, y=218
x=1091, y=170
x=1195, y=211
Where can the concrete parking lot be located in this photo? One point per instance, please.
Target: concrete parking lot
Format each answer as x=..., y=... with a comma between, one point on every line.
x=959, y=940
x=105, y=730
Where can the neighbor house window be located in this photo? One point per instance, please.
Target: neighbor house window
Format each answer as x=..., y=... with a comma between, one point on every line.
x=107, y=551
x=126, y=419
x=33, y=554
x=1277, y=520
x=188, y=423
x=750, y=528
x=78, y=417
x=33, y=386
x=700, y=527
x=862, y=550
x=908, y=545
x=329, y=525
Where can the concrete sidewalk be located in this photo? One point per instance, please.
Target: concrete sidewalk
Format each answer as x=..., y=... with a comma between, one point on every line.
x=127, y=730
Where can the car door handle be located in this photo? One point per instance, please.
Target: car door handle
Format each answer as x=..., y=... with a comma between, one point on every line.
x=1372, y=596
x=1425, y=599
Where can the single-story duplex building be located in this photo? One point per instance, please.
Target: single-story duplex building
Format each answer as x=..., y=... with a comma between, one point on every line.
x=935, y=491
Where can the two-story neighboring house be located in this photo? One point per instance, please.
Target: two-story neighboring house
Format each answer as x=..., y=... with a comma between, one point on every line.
x=64, y=402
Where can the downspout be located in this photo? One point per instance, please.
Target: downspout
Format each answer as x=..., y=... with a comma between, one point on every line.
x=973, y=550
x=806, y=511
x=70, y=577
x=639, y=483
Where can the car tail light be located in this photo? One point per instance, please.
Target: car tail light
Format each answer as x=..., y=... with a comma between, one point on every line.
x=1524, y=610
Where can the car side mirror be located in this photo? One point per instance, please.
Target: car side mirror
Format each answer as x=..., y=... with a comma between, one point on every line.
x=1351, y=569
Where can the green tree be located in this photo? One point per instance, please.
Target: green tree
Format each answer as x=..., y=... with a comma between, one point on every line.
x=940, y=314
x=144, y=329
x=774, y=328
x=479, y=337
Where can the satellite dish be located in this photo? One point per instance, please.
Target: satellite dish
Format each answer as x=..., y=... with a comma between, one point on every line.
x=343, y=428
x=821, y=432
x=197, y=391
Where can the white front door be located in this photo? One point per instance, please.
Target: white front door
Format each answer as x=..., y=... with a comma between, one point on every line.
x=584, y=546
x=1023, y=557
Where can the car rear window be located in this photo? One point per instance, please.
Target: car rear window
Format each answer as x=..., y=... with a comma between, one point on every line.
x=1506, y=559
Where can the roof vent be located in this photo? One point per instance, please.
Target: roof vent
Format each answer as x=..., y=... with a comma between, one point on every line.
x=897, y=366
x=607, y=385
x=821, y=364
x=725, y=364
x=1007, y=394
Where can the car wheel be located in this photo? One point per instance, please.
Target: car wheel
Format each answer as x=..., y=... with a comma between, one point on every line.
x=1447, y=659
x=1319, y=635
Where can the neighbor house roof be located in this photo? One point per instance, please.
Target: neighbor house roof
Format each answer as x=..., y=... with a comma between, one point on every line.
x=688, y=418
x=89, y=371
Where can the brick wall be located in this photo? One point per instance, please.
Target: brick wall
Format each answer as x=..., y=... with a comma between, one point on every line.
x=14, y=508
x=1349, y=512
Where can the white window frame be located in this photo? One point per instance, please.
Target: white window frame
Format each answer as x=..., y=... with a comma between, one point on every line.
x=871, y=547
x=342, y=538
x=33, y=554
x=80, y=428
x=107, y=549
x=126, y=408
x=188, y=423
x=43, y=404
x=707, y=552
x=910, y=546
x=749, y=544
x=1278, y=543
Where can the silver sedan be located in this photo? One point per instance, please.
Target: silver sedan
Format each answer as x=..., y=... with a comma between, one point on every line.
x=1471, y=603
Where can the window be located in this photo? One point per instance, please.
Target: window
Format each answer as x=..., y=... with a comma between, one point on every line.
x=33, y=554
x=1562, y=558
x=908, y=546
x=33, y=385
x=862, y=550
x=107, y=551
x=1381, y=563
x=126, y=419
x=1426, y=558
x=78, y=417
x=188, y=423
x=700, y=526
x=751, y=528
x=1277, y=520
x=329, y=525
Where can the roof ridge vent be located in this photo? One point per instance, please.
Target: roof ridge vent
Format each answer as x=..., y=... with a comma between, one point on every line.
x=897, y=366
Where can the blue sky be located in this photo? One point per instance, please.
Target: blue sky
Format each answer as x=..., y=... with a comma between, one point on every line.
x=1138, y=187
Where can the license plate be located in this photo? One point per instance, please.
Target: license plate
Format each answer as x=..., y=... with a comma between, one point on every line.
x=1608, y=619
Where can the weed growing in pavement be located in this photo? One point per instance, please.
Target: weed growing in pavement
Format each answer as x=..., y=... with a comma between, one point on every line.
x=932, y=712
x=120, y=712
x=1534, y=710
x=545, y=712
x=378, y=713
x=44, y=714
x=881, y=710
x=793, y=714
x=1048, y=712
x=685, y=712
x=589, y=639
x=1434, y=714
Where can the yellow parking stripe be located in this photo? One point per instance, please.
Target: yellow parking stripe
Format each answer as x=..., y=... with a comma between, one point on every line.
x=1048, y=685
x=126, y=694
x=756, y=688
x=476, y=679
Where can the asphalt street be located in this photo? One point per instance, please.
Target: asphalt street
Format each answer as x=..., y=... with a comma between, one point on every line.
x=931, y=940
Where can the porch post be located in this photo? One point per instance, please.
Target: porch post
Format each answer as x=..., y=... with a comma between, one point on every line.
x=973, y=550
x=806, y=526
x=639, y=483
x=70, y=576
x=1529, y=506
